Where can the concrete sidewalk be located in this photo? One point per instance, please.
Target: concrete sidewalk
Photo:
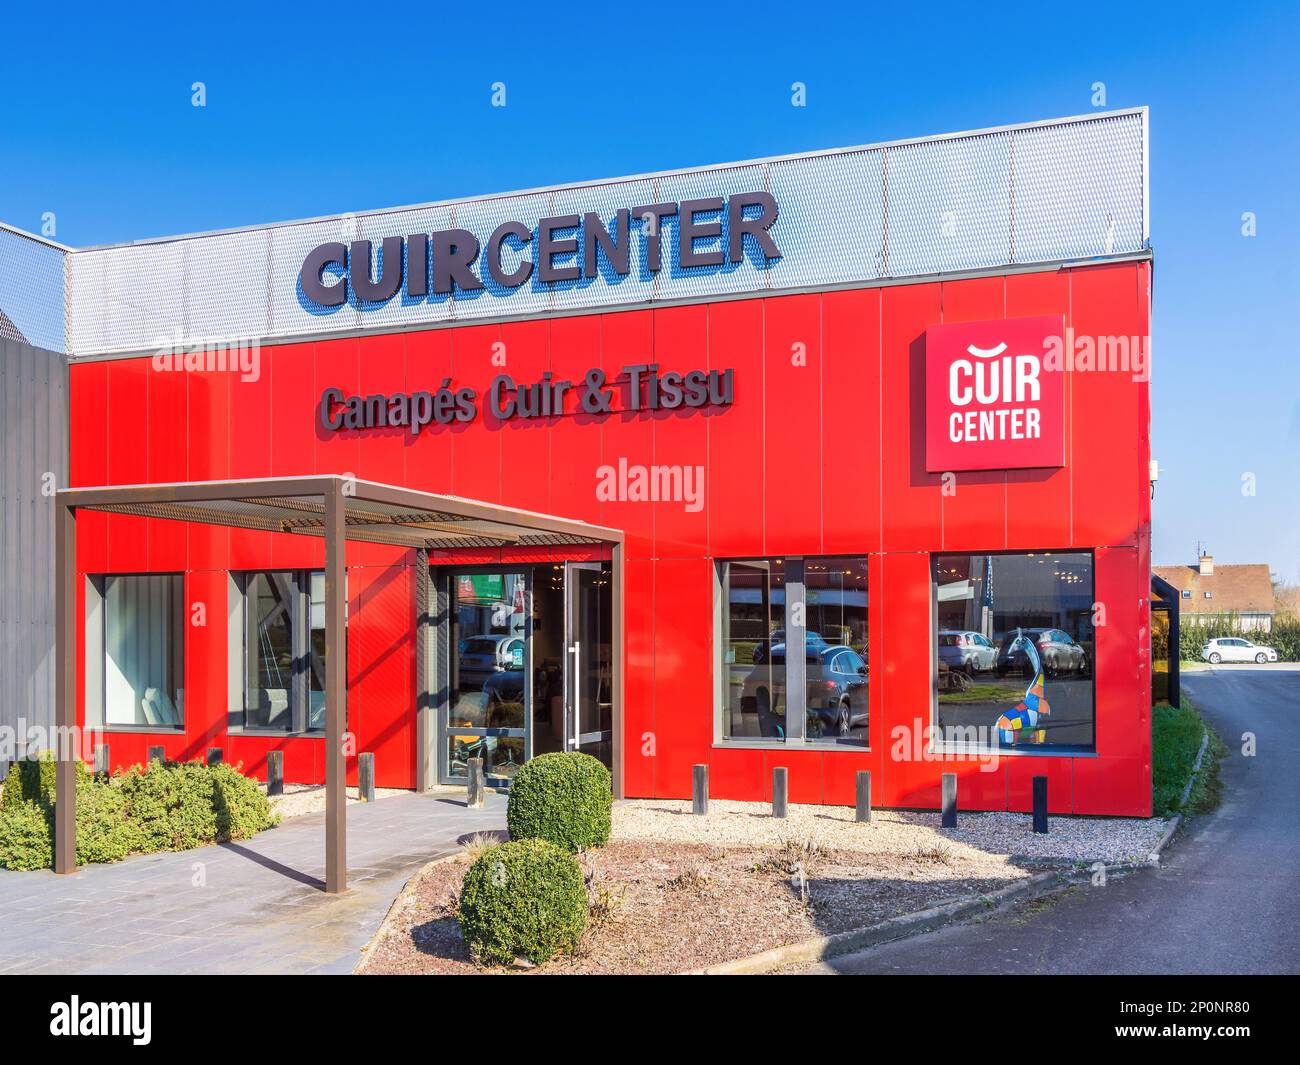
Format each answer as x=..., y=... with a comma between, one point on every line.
x=251, y=907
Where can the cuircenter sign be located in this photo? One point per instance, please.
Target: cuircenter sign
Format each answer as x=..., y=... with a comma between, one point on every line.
x=993, y=400
x=710, y=232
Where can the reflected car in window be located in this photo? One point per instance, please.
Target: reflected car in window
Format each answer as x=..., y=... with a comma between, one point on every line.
x=969, y=652
x=837, y=684
x=482, y=656
x=814, y=639
x=1057, y=649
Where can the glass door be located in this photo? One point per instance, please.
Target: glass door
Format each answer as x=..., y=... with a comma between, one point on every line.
x=588, y=642
x=486, y=712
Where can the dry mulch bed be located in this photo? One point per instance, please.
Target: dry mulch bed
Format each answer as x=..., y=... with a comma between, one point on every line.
x=664, y=907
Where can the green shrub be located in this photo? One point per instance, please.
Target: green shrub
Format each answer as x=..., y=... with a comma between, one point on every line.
x=26, y=835
x=523, y=899
x=33, y=779
x=563, y=798
x=178, y=805
x=104, y=832
x=167, y=806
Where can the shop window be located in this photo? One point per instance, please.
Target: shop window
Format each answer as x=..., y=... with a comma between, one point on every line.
x=135, y=651
x=277, y=651
x=1014, y=650
x=793, y=650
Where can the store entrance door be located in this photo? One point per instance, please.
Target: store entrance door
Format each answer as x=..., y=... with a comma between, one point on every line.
x=588, y=645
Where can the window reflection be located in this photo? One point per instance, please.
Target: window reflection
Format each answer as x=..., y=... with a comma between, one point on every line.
x=1014, y=649
x=753, y=643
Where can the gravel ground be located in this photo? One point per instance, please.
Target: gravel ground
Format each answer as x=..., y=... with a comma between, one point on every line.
x=299, y=799
x=680, y=906
x=689, y=891
x=979, y=837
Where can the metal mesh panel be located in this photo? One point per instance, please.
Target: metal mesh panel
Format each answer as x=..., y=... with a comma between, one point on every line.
x=1048, y=192
x=31, y=291
x=609, y=288
x=846, y=189
x=949, y=205
x=401, y=309
x=226, y=284
x=1079, y=189
x=481, y=219
x=749, y=275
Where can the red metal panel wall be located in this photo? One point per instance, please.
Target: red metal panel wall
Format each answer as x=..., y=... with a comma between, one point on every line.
x=821, y=452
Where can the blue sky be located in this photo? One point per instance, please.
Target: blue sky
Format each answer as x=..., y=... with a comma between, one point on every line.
x=353, y=106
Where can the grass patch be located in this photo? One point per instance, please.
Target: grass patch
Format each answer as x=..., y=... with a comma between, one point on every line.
x=984, y=693
x=1176, y=734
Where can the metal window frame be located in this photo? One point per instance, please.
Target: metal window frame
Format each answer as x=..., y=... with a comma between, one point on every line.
x=95, y=654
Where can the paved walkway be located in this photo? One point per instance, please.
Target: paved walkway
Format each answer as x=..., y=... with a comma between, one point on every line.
x=1223, y=900
x=252, y=907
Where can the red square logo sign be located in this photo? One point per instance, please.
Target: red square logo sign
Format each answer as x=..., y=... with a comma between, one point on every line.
x=993, y=400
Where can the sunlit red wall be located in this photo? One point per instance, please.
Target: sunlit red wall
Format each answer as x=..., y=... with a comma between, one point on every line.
x=818, y=459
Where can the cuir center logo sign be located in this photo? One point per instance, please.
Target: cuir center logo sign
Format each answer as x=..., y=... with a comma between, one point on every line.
x=993, y=400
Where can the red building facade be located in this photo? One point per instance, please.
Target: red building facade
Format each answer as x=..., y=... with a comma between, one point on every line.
x=820, y=454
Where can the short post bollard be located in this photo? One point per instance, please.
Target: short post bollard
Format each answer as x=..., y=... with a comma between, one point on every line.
x=700, y=790
x=949, y=800
x=1040, y=805
x=156, y=755
x=101, y=759
x=366, y=776
x=214, y=756
x=864, y=795
x=275, y=773
x=475, y=798
x=780, y=792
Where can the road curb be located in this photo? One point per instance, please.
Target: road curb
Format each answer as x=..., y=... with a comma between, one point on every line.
x=396, y=907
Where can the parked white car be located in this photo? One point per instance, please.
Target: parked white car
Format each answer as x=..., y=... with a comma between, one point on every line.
x=1235, y=649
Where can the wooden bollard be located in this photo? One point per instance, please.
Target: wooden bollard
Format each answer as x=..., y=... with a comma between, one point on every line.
x=275, y=773
x=101, y=759
x=949, y=800
x=366, y=776
x=864, y=795
x=780, y=792
x=700, y=790
x=156, y=755
x=214, y=756
x=1040, y=805
x=474, y=798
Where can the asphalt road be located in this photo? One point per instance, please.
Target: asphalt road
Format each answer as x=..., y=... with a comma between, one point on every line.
x=1225, y=900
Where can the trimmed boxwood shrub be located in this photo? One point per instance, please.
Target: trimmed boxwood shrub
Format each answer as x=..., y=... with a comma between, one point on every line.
x=563, y=798
x=523, y=899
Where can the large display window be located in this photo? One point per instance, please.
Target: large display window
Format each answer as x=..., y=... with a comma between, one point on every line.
x=793, y=650
x=1014, y=650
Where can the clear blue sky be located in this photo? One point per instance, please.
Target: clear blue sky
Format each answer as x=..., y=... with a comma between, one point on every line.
x=355, y=106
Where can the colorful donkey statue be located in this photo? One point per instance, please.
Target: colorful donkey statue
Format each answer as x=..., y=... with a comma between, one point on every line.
x=1020, y=724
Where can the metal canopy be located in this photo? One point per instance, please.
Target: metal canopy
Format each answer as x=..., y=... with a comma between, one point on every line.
x=337, y=509
x=374, y=513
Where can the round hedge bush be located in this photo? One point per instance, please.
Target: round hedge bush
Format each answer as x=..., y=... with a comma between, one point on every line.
x=523, y=899
x=563, y=798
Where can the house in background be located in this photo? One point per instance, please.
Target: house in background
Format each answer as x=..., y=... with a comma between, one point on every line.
x=1210, y=593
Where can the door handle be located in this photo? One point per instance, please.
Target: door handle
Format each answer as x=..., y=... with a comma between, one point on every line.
x=576, y=651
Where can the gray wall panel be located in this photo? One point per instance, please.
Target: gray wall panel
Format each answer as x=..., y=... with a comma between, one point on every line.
x=33, y=420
